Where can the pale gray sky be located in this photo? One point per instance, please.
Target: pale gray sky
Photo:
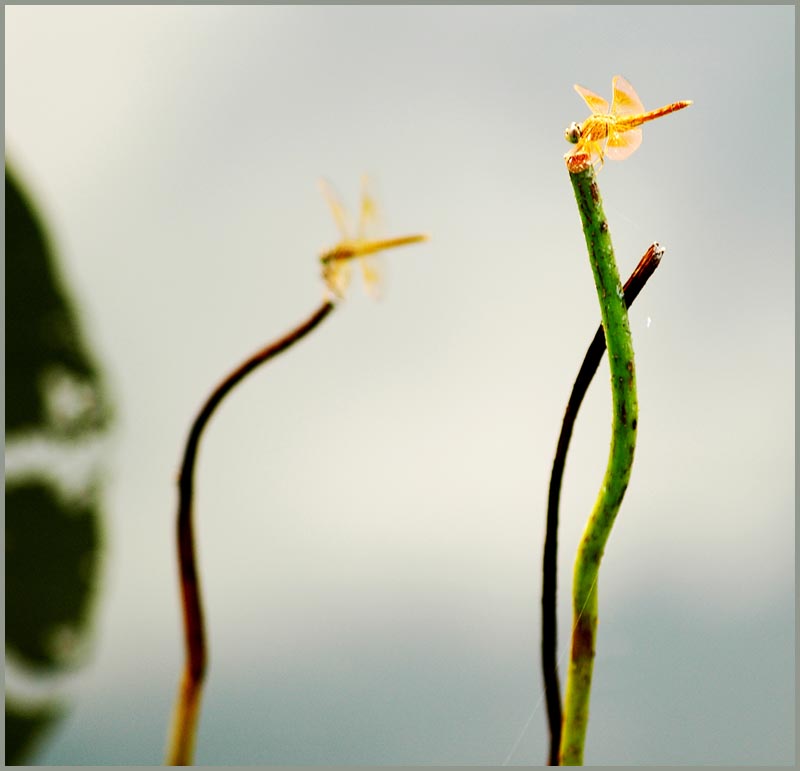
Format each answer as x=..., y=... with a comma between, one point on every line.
x=371, y=507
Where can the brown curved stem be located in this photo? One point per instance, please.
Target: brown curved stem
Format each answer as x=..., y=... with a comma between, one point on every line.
x=637, y=280
x=187, y=705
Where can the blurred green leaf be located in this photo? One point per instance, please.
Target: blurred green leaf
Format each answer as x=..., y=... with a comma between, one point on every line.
x=51, y=381
x=53, y=393
x=51, y=562
x=24, y=728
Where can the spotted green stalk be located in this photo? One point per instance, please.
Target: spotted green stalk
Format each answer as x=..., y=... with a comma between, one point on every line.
x=623, y=441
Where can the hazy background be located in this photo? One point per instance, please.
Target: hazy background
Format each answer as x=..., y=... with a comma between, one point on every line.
x=371, y=507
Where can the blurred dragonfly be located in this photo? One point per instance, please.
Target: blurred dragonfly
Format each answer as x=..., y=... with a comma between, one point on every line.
x=613, y=132
x=361, y=245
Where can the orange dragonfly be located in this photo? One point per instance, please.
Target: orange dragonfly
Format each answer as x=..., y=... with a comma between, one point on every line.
x=337, y=262
x=614, y=132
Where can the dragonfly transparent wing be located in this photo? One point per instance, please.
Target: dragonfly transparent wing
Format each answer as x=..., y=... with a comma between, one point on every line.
x=337, y=210
x=624, y=104
x=620, y=146
x=368, y=229
x=625, y=100
x=597, y=104
x=628, y=110
x=369, y=215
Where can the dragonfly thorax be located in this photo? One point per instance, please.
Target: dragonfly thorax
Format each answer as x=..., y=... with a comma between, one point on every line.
x=596, y=127
x=340, y=252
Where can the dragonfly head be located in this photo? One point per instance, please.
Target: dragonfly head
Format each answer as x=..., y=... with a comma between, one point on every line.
x=573, y=133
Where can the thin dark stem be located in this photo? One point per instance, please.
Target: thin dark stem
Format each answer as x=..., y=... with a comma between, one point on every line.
x=591, y=361
x=187, y=705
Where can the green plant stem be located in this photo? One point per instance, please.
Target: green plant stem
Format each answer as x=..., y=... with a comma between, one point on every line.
x=187, y=705
x=594, y=354
x=623, y=442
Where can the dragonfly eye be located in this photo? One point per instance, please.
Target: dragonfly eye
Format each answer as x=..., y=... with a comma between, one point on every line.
x=573, y=133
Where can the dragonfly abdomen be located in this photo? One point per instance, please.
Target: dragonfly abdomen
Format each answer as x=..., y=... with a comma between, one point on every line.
x=636, y=120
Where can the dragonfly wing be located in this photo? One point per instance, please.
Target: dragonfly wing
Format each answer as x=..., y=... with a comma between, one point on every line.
x=620, y=146
x=372, y=272
x=596, y=103
x=625, y=101
x=369, y=228
x=337, y=210
x=369, y=216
